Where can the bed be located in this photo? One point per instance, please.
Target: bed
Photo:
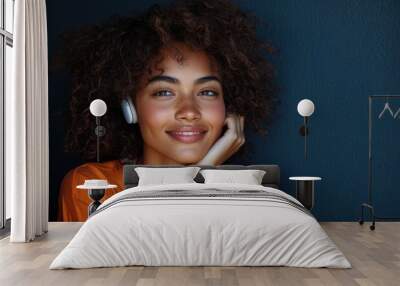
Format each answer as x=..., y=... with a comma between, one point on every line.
x=198, y=224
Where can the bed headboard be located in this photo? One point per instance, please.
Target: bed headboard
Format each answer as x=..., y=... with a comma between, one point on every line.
x=270, y=179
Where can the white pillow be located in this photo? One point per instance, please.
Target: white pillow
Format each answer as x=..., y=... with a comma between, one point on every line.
x=248, y=177
x=167, y=175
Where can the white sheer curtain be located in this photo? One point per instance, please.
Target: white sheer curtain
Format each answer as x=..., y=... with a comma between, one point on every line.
x=27, y=124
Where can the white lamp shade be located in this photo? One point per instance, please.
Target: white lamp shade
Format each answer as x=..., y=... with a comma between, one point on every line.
x=98, y=107
x=305, y=107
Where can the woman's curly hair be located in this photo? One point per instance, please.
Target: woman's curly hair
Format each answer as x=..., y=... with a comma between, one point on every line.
x=106, y=61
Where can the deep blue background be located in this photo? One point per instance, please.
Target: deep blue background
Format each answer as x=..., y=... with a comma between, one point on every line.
x=335, y=53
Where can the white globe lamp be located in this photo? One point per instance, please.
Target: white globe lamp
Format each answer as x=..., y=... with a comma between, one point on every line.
x=305, y=108
x=98, y=108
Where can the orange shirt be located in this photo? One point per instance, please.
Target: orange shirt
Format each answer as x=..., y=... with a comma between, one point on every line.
x=72, y=202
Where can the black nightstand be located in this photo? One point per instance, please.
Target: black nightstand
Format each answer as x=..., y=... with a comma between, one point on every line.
x=305, y=190
x=96, y=193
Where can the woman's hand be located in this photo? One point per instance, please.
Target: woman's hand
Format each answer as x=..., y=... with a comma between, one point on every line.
x=228, y=144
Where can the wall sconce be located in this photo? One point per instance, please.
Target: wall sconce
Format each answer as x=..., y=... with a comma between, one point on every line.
x=305, y=108
x=98, y=108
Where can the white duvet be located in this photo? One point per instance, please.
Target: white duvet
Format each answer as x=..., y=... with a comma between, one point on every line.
x=200, y=231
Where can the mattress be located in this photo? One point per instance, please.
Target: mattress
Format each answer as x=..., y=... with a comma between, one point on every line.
x=201, y=225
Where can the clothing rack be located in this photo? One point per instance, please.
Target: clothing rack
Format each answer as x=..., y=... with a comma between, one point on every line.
x=369, y=204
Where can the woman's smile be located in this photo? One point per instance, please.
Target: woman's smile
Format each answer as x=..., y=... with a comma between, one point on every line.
x=187, y=134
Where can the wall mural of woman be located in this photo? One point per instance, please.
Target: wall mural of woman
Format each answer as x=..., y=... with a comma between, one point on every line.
x=196, y=74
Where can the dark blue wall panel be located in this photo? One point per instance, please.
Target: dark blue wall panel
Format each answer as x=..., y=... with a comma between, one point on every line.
x=335, y=53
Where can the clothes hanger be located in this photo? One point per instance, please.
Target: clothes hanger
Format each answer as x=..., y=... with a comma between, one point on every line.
x=386, y=107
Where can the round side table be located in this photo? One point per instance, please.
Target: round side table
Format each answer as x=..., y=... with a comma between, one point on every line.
x=305, y=190
x=96, y=194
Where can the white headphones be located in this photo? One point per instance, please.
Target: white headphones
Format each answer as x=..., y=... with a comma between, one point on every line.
x=129, y=111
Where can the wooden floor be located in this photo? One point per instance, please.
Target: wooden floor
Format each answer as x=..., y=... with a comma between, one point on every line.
x=375, y=257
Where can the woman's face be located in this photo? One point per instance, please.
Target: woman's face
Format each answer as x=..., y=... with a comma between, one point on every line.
x=180, y=107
